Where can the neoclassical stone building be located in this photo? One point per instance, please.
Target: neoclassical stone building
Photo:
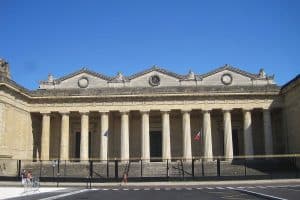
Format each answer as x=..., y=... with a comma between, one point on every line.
x=154, y=113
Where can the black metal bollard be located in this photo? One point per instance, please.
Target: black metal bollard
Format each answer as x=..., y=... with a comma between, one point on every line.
x=193, y=168
x=218, y=167
x=116, y=169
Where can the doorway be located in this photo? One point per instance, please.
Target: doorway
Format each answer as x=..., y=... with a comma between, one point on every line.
x=235, y=142
x=155, y=146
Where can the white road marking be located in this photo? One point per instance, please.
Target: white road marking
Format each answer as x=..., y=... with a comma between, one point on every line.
x=125, y=189
x=136, y=189
x=66, y=194
x=210, y=188
x=263, y=187
x=260, y=194
x=147, y=189
x=115, y=189
x=220, y=188
x=157, y=189
x=199, y=188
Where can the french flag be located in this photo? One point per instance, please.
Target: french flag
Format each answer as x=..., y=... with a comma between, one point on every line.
x=197, y=136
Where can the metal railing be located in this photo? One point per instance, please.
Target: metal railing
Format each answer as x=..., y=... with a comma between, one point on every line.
x=198, y=168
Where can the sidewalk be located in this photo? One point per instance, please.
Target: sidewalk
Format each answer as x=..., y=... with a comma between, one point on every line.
x=11, y=192
x=153, y=184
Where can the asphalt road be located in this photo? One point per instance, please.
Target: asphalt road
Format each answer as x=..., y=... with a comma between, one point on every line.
x=174, y=193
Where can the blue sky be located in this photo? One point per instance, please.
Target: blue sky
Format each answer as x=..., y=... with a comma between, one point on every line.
x=62, y=36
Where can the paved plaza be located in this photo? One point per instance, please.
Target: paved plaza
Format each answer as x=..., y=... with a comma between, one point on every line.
x=283, y=189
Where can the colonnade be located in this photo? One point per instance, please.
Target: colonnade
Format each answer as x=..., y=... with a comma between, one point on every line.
x=145, y=135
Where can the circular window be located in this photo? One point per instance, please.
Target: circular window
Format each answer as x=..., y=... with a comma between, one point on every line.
x=83, y=82
x=154, y=80
x=226, y=79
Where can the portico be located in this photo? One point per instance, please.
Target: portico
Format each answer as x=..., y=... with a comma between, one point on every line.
x=125, y=135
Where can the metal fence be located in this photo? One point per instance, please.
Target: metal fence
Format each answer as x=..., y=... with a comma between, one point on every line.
x=254, y=167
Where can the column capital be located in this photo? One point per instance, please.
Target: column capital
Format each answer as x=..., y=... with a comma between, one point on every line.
x=104, y=112
x=206, y=110
x=165, y=110
x=45, y=112
x=144, y=110
x=123, y=112
x=186, y=111
x=247, y=109
x=84, y=112
x=65, y=113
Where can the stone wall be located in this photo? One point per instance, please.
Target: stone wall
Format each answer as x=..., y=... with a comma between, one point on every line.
x=17, y=139
x=291, y=95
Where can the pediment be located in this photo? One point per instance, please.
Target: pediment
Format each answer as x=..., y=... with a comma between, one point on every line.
x=83, y=78
x=155, y=76
x=228, y=75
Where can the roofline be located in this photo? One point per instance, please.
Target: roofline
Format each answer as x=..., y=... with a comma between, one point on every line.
x=286, y=87
x=231, y=68
x=82, y=70
x=155, y=68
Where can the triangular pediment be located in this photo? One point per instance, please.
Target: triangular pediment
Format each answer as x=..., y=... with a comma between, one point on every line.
x=82, y=78
x=228, y=75
x=145, y=78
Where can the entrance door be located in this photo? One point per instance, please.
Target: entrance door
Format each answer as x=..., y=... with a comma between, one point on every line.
x=77, y=146
x=235, y=141
x=155, y=146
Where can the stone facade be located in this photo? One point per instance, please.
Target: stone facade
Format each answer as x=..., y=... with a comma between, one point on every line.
x=154, y=113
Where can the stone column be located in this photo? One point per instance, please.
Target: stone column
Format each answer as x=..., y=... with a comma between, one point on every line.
x=124, y=136
x=268, y=132
x=207, y=153
x=84, y=139
x=104, y=136
x=166, y=142
x=186, y=130
x=228, y=145
x=248, y=141
x=45, y=140
x=64, y=141
x=145, y=137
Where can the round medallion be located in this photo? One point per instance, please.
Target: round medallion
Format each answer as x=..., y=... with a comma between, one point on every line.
x=83, y=82
x=154, y=80
x=226, y=79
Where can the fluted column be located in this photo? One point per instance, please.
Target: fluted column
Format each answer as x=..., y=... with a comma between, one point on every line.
x=186, y=130
x=84, y=139
x=166, y=142
x=248, y=140
x=64, y=141
x=228, y=145
x=207, y=153
x=45, y=140
x=268, y=132
x=145, y=137
x=124, y=136
x=104, y=136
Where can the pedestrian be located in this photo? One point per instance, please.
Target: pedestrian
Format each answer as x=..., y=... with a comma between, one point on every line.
x=24, y=176
x=124, y=178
